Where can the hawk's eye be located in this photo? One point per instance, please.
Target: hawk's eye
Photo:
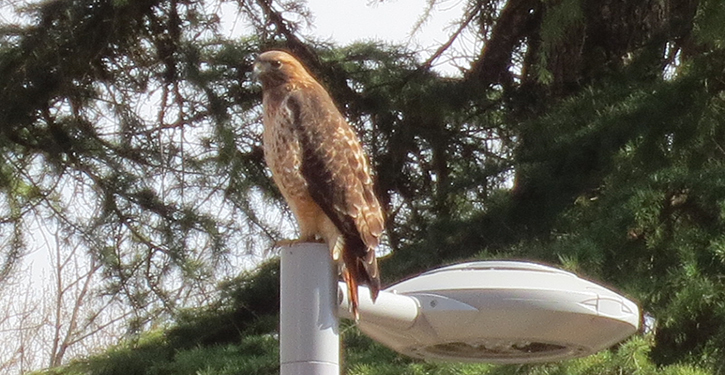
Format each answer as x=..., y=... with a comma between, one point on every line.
x=276, y=64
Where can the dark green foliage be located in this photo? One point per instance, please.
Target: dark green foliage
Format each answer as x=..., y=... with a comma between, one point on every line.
x=253, y=355
x=249, y=305
x=437, y=154
x=259, y=355
x=650, y=222
x=359, y=349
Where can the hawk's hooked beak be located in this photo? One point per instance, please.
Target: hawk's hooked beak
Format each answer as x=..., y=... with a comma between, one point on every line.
x=259, y=68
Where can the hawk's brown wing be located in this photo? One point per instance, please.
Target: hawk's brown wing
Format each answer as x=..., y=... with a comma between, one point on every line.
x=336, y=170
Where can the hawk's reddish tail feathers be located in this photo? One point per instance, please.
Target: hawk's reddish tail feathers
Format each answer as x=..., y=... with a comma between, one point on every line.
x=360, y=271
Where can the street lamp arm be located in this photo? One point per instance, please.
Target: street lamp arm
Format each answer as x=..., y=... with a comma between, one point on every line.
x=389, y=309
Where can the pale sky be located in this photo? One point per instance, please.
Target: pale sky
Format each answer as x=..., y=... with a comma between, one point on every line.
x=346, y=21
x=393, y=21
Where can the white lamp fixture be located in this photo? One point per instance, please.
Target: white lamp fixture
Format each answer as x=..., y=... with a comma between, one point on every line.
x=497, y=312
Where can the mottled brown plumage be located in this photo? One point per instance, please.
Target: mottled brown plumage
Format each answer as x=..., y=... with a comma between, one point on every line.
x=321, y=169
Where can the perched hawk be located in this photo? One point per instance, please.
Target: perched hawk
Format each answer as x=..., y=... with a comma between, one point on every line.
x=321, y=169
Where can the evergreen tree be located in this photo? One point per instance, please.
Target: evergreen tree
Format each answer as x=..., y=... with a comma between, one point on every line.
x=584, y=133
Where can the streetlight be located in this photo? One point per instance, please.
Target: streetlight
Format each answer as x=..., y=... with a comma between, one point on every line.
x=497, y=312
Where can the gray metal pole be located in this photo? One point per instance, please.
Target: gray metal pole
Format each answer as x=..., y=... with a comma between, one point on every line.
x=309, y=339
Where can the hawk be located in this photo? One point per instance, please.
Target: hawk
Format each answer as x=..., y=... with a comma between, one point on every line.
x=321, y=169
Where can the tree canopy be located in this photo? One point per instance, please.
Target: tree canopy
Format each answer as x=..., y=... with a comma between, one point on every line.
x=587, y=134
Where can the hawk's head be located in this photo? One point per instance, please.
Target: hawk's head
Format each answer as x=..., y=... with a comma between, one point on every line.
x=274, y=68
